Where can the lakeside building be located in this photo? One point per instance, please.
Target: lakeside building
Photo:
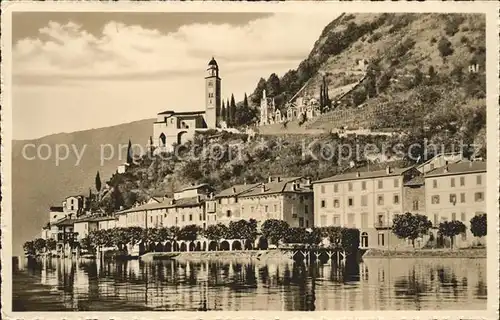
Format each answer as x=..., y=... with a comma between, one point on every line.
x=84, y=225
x=365, y=200
x=172, y=128
x=456, y=191
x=186, y=207
x=72, y=207
x=287, y=199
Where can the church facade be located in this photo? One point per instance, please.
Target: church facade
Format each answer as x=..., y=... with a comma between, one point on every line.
x=172, y=128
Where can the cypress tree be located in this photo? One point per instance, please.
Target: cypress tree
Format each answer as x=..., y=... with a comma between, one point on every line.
x=233, y=110
x=129, y=152
x=223, y=111
x=98, y=182
x=228, y=113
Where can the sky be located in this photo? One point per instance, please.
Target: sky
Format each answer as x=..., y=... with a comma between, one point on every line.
x=75, y=71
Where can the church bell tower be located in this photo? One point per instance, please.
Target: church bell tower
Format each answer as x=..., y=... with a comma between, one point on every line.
x=212, y=94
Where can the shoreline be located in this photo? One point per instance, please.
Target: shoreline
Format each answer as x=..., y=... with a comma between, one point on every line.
x=427, y=253
x=250, y=256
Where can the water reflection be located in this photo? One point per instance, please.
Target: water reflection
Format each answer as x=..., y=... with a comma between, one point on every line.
x=375, y=284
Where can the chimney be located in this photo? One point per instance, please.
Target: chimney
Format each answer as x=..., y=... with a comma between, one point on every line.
x=294, y=186
x=358, y=174
x=121, y=208
x=234, y=190
x=446, y=168
x=388, y=170
x=270, y=179
x=172, y=201
x=308, y=181
x=245, y=181
x=263, y=188
x=198, y=198
x=278, y=179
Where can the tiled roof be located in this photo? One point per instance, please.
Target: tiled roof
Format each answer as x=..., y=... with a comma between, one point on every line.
x=284, y=185
x=191, y=187
x=184, y=113
x=458, y=168
x=65, y=222
x=236, y=190
x=94, y=218
x=178, y=203
x=364, y=175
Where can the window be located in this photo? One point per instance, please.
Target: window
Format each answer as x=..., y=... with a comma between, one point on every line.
x=176, y=220
x=415, y=205
x=381, y=239
x=453, y=198
x=350, y=201
x=479, y=180
x=434, y=183
x=462, y=197
x=380, y=219
x=364, y=200
x=301, y=222
x=266, y=208
x=380, y=200
x=336, y=220
x=306, y=208
x=307, y=223
x=322, y=189
x=183, y=218
x=453, y=216
x=363, y=185
x=228, y=213
x=336, y=203
x=396, y=183
x=294, y=216
x=452, y=182
x=335, y=188
x=190, y=217
x=251, y=209
x=396, y=199
x=364, y=220
x=380, y=184
x=323, y=204
x=349, y=186
x=478, y=196
x=322, y=220
x=276, y=208
x=435, y=199
x=462, y=181
x=350, y=219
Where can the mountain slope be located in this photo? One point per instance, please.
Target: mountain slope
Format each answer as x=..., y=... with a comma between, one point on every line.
x=38, y=184
x=408, y=55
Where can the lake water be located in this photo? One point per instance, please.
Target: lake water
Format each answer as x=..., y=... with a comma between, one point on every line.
x=374, y=284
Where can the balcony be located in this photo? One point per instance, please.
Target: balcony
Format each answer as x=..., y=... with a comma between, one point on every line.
x=382, y=225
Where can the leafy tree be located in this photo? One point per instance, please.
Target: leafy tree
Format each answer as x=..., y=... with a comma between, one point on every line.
x=29, y=248
x=274, y=230
x=451, y=229
x=98, y=182
x=350, y=239
x=273, y=87
x=243, y=229
x=257, y=94
x=244, y=115
x=189, y=233
x=444, y=47
x=50, y=244
x=410, y=226
x=129, y=153
x=39, y=245
x=87, y=245
x=478, y=225
x=217, y=232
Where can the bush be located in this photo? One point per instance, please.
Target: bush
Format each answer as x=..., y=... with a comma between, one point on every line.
x=444, y=47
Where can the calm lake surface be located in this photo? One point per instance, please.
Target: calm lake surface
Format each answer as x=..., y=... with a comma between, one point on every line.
x=374, y=284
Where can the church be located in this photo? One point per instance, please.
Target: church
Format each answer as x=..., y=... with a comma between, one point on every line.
x=172, y=128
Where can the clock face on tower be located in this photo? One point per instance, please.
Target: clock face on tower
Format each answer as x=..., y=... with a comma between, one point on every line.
x=210, y=83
